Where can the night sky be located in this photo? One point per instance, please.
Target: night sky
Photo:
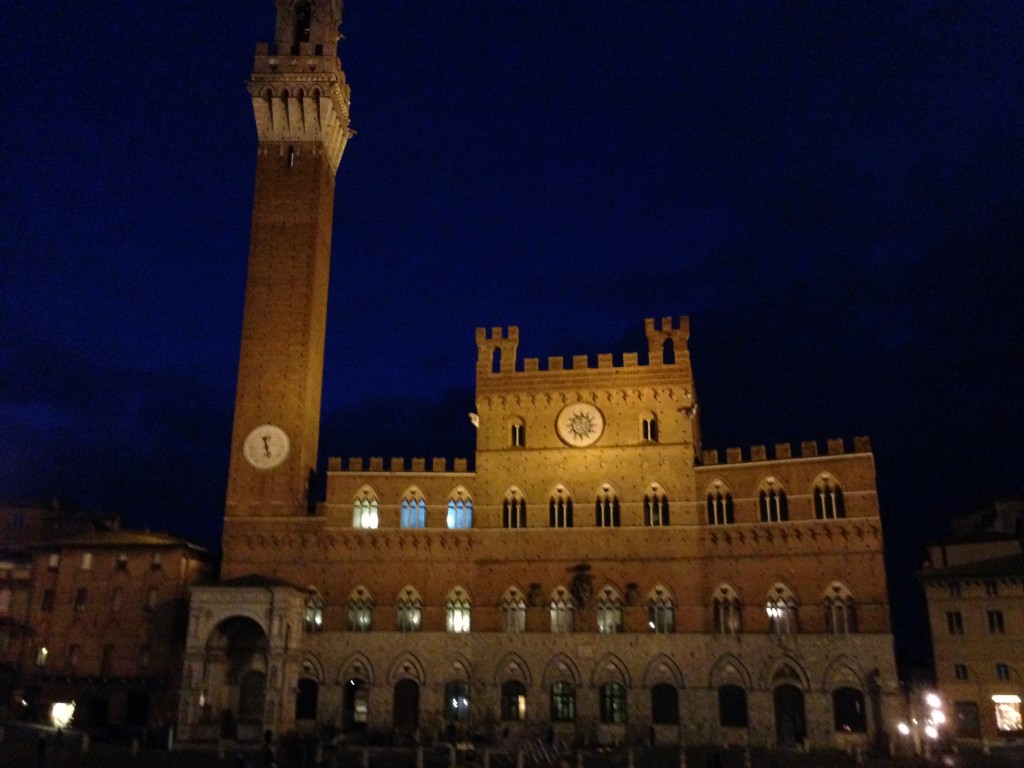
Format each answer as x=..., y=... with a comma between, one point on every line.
x=834, y=192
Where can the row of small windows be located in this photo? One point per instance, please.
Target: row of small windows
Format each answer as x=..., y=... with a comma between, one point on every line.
x=141, y=657
x=1002, y=671
x=81, y=600
x=848, y=705
x=120, y=563
x=838, y=606
x=648, y=431
x=995, y=621
x=773, y=506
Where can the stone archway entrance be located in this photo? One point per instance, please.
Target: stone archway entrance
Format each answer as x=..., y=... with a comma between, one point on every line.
x=356, y=705
x=236, y=658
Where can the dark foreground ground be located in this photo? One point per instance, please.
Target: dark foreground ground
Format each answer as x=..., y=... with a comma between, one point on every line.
x=20, y=749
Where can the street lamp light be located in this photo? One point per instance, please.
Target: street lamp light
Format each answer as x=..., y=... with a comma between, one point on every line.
x=927, y=723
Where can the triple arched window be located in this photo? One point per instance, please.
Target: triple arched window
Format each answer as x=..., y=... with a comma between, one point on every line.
x=560, y=511
x=360, y=610
x=606, y=510
x=609, y=611
x=726, y=610
x=513, y=610
x=460, y=511
x=782, y=611
x=828, y=499
x=840, y=610
x=655, y=508
x=513, y=510
x=772, y=502
x=408, y=611
x=365, y=513
x=414, y=511
x=563, y=611
x=661, y=612
x=719, y=506
x=457, y=611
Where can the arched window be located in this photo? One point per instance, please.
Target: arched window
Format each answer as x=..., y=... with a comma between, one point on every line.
x=364, y=511
x=732, y=707
x=563, y=702
x=840, y=610
x=664, y=704
x=772, y=502
x=613, y=703
x=408, y=611
x=655, y=508
x=303, y=21
x=661, y=613
x=848, y=711
x=782, y=611
x=306, y=699
x=457, y=611
x=720, y=509
x=560, y=510
x=513, y=510
x=313, y=616
x=513, y=610
x=609, y=611
x=360, y=610
x=414, y=511
x=649, y=428
x=606, y=510
x=460, y=510
x=727, y=613
x=513, y=701
x=828, y=498
x=456, y=701
x=517, y=433
x=563, y=611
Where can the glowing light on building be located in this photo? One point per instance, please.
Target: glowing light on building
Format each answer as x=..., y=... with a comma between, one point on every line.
x=61, y=713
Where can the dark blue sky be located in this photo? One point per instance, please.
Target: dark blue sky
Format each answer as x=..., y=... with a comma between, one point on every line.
x=834, y=192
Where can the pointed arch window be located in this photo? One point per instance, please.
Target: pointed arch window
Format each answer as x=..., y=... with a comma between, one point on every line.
x=782, y=611
x=609, y=612
x=606, y=510
x=840, y=610
x=773, y=503
x=313, y=615
x=513, y=510
x=655, y=508
x=303, y=21
x=563, y=611
x=828, y=499
x=460, y=512
x=720, y=507
x=513, y=610
x=457, y=611
x=649, y=428
x=563, y=702
x=517, y=433
x=365, y=513
x=613, y=703
x=414, y=512
x=408, y=611
x=661, y=612
x=560, y=511
x=360, y=610
x=727, y=613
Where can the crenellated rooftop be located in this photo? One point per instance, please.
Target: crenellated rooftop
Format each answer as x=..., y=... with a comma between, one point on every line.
x=497, y=350
x=438, y=465
x=783, y=451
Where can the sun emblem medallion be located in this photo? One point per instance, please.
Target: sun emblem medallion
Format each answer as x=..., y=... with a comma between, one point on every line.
x=579, y=424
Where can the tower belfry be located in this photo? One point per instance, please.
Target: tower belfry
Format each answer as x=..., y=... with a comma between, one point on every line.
x=300, y=101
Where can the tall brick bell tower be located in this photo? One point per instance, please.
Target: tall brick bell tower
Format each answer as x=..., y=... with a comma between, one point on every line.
x=301, y=104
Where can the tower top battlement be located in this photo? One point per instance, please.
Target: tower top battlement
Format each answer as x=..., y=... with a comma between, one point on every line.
x=497, y=349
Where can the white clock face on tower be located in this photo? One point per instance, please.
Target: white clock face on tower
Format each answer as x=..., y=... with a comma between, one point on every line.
x=579, y=424
x=266, y=446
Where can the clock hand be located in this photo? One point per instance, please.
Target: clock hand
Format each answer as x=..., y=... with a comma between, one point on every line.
x=266, y=445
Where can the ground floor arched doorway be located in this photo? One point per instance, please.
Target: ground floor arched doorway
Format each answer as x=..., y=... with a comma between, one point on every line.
x=790, y=718
x=355, y=708
x=406, y=710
